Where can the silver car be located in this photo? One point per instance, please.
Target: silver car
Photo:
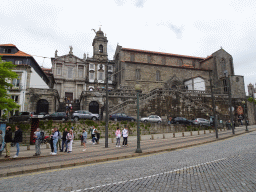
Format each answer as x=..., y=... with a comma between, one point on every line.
x=81, y=114
x=152, y=119
x=201, y=122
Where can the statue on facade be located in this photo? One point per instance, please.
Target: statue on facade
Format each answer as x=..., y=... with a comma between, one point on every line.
x=71, y=50
x=84, y=56
x=56, y=53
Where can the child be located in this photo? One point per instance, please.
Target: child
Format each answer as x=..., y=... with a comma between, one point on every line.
x=118, y=136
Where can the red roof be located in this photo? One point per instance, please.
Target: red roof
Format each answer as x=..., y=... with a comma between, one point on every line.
x=18, y=54
x=7, y=45
x=161, y=53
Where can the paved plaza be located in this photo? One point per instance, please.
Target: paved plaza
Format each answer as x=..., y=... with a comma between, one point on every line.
x=224, y=165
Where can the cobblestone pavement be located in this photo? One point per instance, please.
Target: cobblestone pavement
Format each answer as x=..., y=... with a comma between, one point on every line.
x=227, y=165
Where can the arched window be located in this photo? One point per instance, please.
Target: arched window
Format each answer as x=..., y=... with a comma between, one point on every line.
x=101, y=48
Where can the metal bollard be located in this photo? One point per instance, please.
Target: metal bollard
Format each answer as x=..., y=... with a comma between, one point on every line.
x=173, y=134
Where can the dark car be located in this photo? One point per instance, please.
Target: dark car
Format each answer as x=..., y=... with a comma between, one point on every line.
x=181, y=120
x=121, y=117
x=56, y=116
x=21, y=116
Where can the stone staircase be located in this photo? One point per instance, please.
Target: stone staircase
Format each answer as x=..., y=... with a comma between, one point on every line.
x=188, y=99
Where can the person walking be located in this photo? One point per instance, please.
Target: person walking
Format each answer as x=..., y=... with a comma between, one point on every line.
x=17, y=140
x=70, y=138
x=94, y=131
x=125, y=136
x=118, y=137
x=1, y=142
x=64, y=140
x=51, y=141
x=8, y=141
x=55, y=138
x=84, y=139
x=38, y=142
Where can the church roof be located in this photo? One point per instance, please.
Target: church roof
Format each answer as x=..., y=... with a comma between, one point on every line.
x=161, y=53
x=18, y=54
x=7, y=45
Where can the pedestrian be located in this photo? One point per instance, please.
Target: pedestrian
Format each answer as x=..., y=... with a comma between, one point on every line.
x=51, y=141
x=125, y=136
x=118, y=137
x=59, y=138
x=64, y=140
x=70, y=138
x=17, y=140
x=1, y=142
x=37, y=136
x=8, y=141
x=55, y=138
x=84, y=139
x=94, y=131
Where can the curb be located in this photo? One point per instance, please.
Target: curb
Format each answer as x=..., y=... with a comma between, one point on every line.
x=113, y=158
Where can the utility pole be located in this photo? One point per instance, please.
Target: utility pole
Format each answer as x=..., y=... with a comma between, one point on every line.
x=214, y=108
x=106, y=107
x=230, y=102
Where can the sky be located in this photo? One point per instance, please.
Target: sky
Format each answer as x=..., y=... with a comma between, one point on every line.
x=195, y=28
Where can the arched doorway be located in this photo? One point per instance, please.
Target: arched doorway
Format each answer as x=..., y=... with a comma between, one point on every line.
x=94, y=107
x=42, y=106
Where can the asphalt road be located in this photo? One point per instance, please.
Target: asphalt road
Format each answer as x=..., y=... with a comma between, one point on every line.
x=227, y=165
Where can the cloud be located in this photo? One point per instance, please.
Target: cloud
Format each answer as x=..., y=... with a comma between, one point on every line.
x=120, y=2
x=140, y=3
x=177, y=30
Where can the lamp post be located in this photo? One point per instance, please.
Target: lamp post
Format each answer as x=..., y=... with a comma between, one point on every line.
x=138, y=89
x=245, y=114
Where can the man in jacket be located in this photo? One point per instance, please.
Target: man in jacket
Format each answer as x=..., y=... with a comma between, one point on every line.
x=17, y=140
x=64, y=140
x=38, y=142
x=8, y=140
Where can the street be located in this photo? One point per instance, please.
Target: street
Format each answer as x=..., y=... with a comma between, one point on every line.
x=227, y=165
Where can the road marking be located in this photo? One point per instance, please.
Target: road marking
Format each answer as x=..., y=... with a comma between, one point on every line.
x=146, y=177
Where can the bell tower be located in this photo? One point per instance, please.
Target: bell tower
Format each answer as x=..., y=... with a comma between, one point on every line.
x=99, y=44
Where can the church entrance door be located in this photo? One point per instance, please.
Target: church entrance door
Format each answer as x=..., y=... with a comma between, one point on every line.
x=94, y=107
x=69, y=96
x=42, y=106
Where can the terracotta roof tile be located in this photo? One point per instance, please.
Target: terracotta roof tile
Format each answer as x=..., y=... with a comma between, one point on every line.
x=18, y=54
x=161, y=53
x=7, y=45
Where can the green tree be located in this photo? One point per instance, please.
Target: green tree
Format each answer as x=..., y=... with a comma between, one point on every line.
x=6, y=73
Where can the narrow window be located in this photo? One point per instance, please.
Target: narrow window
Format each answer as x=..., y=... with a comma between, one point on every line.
x=163, y=60
x=91, y=76
x=101, y=48
x=225, y=86
x=70, y=73
x=132, y=57
x=149, y=58
x=157, y=75
x=80, y=72
x=137, y=74
x=7, y=50
x=100, y=75
x=59, y=71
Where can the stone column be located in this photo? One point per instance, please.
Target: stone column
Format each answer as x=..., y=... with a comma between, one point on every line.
x=76, y=92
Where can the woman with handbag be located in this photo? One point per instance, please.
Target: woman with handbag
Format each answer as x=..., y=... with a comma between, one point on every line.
x=70, y=138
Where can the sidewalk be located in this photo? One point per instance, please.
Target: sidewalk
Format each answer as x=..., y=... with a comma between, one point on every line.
x=26, y=163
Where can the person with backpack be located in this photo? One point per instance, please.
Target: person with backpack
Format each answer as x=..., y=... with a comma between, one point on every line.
x=84, y=139
x=94, y=131
x=38, y=138
x=64, y=140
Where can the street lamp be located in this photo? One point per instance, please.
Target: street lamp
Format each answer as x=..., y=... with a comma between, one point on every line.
x=245, y=115
x=138, y=90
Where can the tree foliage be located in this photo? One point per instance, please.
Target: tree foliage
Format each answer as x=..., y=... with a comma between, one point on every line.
x=251, y=100
x=6, y=73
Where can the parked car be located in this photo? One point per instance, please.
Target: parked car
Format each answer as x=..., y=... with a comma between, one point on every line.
x=121, y=117
x=39, y=115
x=56, y=116
x=152, y=118
x=201, y=122
x=21, y=116
x=181, y=120
x=81, y=114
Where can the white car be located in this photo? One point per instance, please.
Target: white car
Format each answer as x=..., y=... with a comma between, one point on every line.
x=152, y=118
